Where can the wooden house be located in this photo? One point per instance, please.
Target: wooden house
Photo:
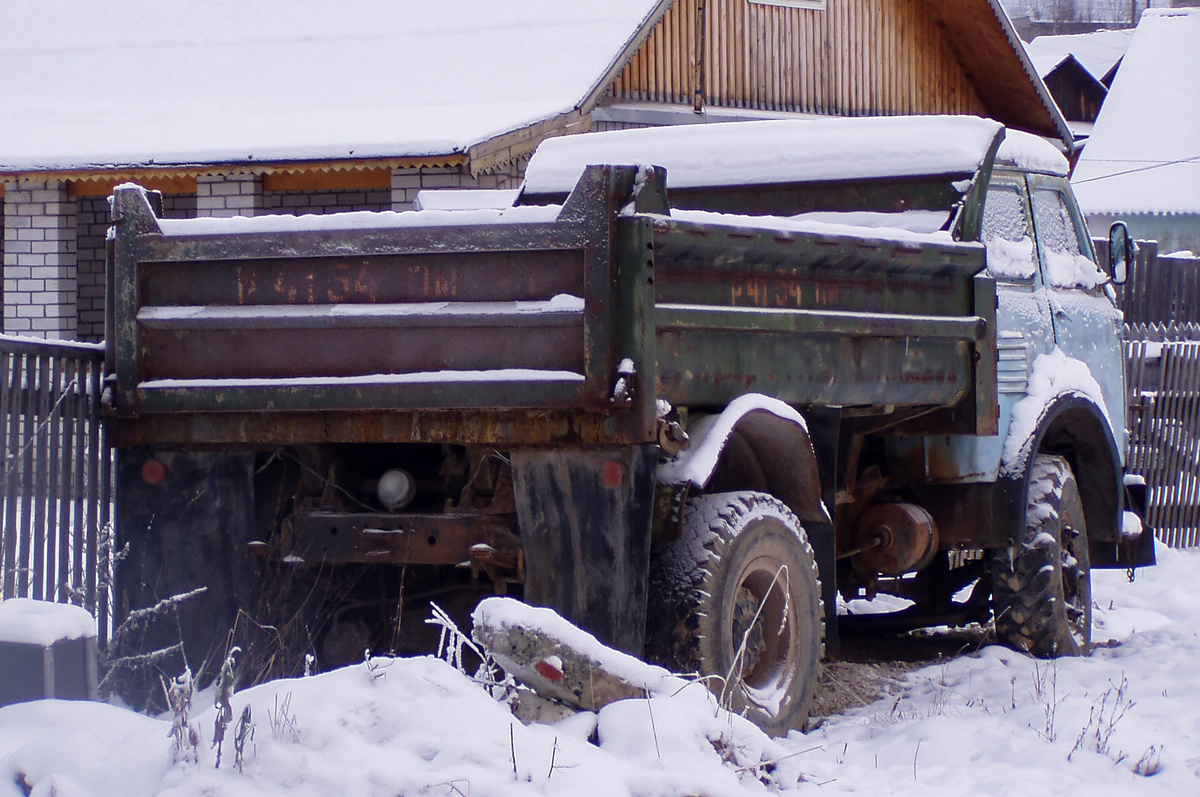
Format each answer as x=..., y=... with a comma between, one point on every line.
x=1076, y=91
x=302, y=106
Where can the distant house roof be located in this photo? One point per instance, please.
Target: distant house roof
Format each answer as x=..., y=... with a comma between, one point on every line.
x=141, y=82
x=1144, y=153
x=1076, y=91
x=1100, y=52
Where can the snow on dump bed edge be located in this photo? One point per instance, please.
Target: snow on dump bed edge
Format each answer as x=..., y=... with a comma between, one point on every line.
x=879, y=229
x=775, y=151
x=360, y=220
x=29, y=622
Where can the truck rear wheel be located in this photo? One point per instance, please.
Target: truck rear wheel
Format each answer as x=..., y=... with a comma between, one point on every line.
x=737, y=597
x=1041, y=589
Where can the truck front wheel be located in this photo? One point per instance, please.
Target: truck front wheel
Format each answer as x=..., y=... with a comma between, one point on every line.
x=1041, y=588
x=737, y=598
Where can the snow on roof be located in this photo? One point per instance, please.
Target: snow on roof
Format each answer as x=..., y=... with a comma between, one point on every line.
x=1045, y=61
x=1144, y=153
x=776, y=151
x=143, y=82
x=1031, y=153
x=1099, y=52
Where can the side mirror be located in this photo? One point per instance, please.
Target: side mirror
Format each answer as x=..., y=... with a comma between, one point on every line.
x=1121, y=252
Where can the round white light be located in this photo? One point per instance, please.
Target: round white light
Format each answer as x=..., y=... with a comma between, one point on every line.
x=396, y=488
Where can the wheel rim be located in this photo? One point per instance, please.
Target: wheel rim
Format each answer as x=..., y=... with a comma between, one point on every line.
x=761, y=626
x=1075, y=593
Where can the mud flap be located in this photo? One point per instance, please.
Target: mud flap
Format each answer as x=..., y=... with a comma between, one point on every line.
x=585, y=518
x=1128, y=552
x=185, y=528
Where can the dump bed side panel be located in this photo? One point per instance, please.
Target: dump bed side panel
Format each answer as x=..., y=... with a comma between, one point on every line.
x=823, y=320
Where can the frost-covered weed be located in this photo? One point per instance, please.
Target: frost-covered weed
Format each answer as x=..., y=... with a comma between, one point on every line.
x=1045, y=689
x=243, y=733
x=1103, y=718
x=282, y=720
x=185, y=735
x=451, y=644
x=222, y=702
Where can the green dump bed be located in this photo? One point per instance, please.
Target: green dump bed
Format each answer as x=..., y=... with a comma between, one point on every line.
x=532, y=325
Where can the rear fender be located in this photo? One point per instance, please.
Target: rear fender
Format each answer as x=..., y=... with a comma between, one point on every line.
x=757, y=443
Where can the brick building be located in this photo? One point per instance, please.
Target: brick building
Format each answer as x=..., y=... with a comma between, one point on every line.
x=303, y=106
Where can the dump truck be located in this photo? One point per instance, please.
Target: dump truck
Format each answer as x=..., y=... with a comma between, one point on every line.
x=702, y=390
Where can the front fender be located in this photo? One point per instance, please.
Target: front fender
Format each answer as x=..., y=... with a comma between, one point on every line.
x=1073, y=425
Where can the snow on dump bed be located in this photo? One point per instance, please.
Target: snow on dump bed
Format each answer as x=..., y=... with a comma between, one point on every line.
x=465, y=199
x=31, y=622
x=886, y=227
x=776, y=151
x=359, y=220
x=563, y=303
x=417, y=378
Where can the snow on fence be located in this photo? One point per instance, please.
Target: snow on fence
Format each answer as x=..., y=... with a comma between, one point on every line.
x=1163, y=367
x=55, y=505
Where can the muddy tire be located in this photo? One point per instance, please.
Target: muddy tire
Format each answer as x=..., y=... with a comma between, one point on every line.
x=737, y=598
x=1041, y=589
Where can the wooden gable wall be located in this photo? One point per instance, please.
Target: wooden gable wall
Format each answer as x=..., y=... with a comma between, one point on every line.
x=855, y=57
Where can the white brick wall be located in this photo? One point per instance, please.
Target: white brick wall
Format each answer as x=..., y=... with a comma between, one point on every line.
x=224, y=195
x=92, y=219
x=312, y=202
x=407, y=182
x=40, y=285
x=53, y=244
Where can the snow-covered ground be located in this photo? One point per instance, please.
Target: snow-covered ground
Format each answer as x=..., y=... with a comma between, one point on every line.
x=1125, y=721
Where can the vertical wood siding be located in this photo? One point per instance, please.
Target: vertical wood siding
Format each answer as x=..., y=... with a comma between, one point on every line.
x=857, y=57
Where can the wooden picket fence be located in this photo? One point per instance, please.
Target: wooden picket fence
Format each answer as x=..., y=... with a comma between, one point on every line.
x=1162, y=290
x=56, y=501
x=1163, y=368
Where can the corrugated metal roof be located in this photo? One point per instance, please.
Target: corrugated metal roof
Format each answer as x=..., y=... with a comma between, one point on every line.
x=1144, y=153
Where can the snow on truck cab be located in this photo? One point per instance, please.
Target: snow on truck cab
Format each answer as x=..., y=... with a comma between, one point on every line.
x=691, y=388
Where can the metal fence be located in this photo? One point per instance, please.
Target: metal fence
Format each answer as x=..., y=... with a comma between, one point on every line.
x=55, y=506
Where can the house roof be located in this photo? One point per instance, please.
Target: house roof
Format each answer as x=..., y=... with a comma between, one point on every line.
x=143, y=82
x=192, y=85
x=1144, y=153
x=1100, y=52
